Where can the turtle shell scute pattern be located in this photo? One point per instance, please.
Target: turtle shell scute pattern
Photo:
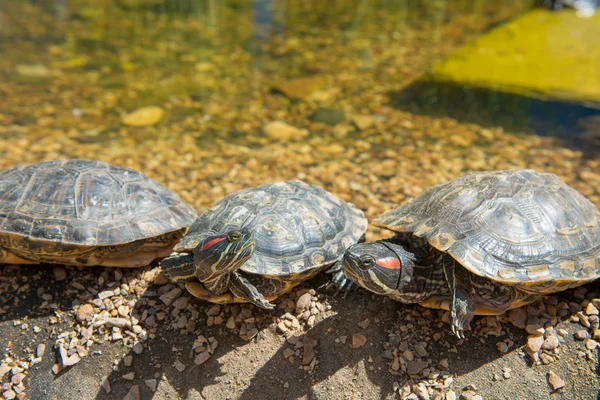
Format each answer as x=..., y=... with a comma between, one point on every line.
x=84, y=203
x=296, y=226
x=515, y=226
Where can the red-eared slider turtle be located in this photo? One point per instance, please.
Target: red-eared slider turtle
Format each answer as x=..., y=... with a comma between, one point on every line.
x=482, y=244
x=258, y=243
x=82, y=212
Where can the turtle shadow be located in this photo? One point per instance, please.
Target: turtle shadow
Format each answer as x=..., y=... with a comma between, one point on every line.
x=31, y=291
x=376, y=367
x=405, y=345
x=166, y=366
x=238, y=368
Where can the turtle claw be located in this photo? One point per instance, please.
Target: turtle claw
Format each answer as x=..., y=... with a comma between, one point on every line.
x=340, y=282
x=460, y=324
x=241, y=287
x=198, y=290
x=458, y=332
x=262, y=303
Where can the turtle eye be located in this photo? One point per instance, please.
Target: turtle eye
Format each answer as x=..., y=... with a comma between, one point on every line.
x=367, y=262
x=234, y=236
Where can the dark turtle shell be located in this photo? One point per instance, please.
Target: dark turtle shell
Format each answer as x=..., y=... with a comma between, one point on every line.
x=297, y=227
x=84, y=203
x=516, y=227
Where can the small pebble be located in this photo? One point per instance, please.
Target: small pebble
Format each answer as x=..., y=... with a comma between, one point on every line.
x=133, y=394
x=555, y=381
x=40, y=350
x=303, y=302
x=582, y=334
x=179, y=366
x=60, y=273
x=106, y=384
x=130, y=376
x=151, y=383
x=358, y=340
x=550, y=343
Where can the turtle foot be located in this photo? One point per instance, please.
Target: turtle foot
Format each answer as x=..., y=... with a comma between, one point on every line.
x=196, y=289
x=341, y=284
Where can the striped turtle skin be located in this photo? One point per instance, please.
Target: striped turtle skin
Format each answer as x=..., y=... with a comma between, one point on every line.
x=286, y=232
x=83, y=212
x=511, y=236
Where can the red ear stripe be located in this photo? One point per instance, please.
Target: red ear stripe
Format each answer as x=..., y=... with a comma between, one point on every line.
x=389, y=263
x=211, y=243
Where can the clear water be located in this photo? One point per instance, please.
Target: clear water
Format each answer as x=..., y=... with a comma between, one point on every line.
x=220, y=71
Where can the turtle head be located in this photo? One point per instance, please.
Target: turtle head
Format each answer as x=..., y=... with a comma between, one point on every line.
x=222, y=254
x=380, y=267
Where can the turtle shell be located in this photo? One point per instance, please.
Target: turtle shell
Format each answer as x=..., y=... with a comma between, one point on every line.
x=515, y=227
x=85, y=203
x=297, y=227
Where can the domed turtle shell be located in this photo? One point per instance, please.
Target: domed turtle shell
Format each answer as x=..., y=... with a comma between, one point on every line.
x=85, y=203
x=297, y=226
x=515, y=227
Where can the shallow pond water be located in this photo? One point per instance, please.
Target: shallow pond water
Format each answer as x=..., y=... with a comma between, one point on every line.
x=216, y=80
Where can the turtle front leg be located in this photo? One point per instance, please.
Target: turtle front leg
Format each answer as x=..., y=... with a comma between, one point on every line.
x=339, y=281
x=463, y=303
x=242, y=288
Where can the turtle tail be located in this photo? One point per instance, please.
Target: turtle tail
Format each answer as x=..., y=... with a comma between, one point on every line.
x=179, y=267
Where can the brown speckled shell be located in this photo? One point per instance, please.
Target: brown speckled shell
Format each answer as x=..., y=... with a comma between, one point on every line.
x=510, y=226
x=297, y=227
x=85, y=203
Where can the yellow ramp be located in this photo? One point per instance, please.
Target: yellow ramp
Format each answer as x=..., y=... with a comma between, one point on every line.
x=553, y=55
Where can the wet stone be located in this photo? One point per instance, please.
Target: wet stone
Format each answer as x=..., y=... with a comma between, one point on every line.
x=330, y=116
x=145, y=116
x=279, y=130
